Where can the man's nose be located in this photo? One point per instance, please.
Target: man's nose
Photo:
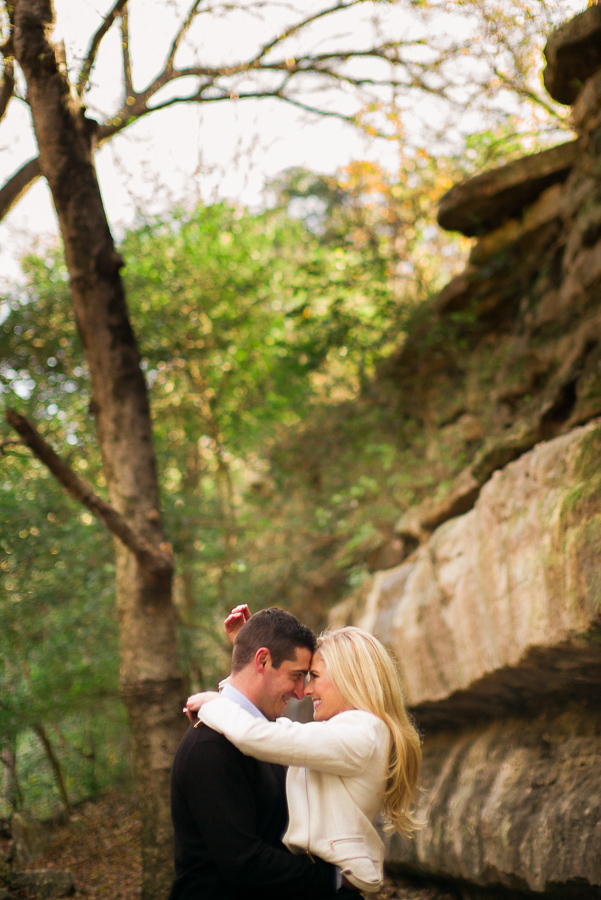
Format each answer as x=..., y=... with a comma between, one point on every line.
x=299, y=690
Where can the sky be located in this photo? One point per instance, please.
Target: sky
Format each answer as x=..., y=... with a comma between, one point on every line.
x=214, y=151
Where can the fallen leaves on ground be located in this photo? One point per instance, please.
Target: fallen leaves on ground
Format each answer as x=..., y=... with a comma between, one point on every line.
x=100, y=846
x=412, y=889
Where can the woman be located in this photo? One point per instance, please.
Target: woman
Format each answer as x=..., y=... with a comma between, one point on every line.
x=359, y=755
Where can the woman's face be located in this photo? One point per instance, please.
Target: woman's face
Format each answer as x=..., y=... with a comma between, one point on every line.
x=327, y=699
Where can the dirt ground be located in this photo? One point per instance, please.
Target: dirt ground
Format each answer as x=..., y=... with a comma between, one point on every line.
x=100, y=847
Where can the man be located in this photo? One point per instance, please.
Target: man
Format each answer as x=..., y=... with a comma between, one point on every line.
x=229, y=810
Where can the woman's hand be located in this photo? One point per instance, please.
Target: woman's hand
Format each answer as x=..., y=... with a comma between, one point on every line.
x=194, y=703
x=236, y=619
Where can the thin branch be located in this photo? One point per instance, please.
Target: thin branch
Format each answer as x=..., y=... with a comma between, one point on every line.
x=381, y=52
x=302, y=63
x=181, y=34
x=416, y=80
x=269, y=45
x=90, y=59
x=136, y=104
x=530, y=94
x=256, y=95
x=323, y=65
x=278, y=93
x=129, y=88
x=5, y=444
x=325, y=113
x=158, y=562
x=55, y=766
x=12, y=191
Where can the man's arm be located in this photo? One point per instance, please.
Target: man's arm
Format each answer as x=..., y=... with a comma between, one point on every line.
x=224, y=804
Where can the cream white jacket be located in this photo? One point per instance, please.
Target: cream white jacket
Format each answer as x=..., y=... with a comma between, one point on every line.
x=335, y=783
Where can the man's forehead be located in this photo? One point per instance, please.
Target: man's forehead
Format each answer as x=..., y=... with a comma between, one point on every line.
x=301, y=661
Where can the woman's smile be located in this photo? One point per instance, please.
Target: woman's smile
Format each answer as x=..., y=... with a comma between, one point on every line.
x=327, y=699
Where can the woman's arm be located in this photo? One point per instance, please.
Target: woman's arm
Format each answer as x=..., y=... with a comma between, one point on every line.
x=343, y=745
x=236, y=619
x=195, y=701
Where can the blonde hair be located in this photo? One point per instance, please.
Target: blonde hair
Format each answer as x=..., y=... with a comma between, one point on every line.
x=367, y=677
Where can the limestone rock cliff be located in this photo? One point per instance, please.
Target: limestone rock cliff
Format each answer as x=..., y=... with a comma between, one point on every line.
x=514, y=804
x=495, y=611
x=501, y=606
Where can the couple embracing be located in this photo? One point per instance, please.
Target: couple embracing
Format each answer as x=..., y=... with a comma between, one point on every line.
x=245, y=828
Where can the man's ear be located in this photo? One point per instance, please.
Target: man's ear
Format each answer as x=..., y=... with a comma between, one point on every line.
x=262, y=659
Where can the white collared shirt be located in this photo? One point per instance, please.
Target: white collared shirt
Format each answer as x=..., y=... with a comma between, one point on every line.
x=236, y=696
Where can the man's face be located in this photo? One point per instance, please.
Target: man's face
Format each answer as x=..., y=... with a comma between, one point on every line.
x=281, y=684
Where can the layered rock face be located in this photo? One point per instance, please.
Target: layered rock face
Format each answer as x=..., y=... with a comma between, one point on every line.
x=502, y=605
x=515, y=804
x=495, y=612
x=497, y=616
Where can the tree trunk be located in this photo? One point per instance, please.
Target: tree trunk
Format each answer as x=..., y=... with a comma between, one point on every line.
x=150, y=680
x=11, y=791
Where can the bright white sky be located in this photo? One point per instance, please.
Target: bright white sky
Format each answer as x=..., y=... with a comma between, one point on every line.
x=225, y=150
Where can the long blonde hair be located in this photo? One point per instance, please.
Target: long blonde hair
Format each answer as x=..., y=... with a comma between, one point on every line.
x=367, y=677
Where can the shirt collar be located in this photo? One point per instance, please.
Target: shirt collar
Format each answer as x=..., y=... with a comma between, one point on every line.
x=236, y=696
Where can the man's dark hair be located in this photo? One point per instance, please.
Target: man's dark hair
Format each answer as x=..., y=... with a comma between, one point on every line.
x=276, y=629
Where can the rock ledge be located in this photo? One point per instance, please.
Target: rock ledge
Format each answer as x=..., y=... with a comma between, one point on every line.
x=573, y=55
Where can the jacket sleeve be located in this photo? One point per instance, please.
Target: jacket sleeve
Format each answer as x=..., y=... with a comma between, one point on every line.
x=221, y=798
x=342, y=745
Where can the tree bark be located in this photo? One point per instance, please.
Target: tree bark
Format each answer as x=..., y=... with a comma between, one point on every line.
x=157, y=563
x=18, y=185
x=150, y=680
x=11, y=790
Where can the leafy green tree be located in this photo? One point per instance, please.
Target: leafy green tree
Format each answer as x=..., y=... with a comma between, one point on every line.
x=279, y=315
x=283, y=66
x=57, y=600
x=150, y=680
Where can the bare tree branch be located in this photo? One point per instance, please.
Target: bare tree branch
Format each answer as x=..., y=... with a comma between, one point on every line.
x=129, y=88
x=181, y=34
x=158, y=562
x=17, y=185
x=135, y=105
x=84, y=75
x=530, y=94
x=6, y=444
x=218, y=83
x=257, y=95
x=284, y=35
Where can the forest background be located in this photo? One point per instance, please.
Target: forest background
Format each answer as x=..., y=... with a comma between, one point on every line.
x=264, y=333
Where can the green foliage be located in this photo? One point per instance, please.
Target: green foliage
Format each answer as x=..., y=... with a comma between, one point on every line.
x=58, y=634
x=92, y=751
x=276, y=319
x=283, y=458
x=55, y=603
x=41, y=364
x=269, y=343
